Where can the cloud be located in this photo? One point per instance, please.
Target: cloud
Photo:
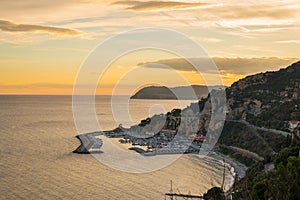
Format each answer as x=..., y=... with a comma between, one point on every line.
x=10, y=26
x=207, y=39
x=238, y=66
x=288, y=42
x=158, y=5
x=279, y=11
x=36, y=85
x=229, y=69
x=246, y=66
x=245, y=17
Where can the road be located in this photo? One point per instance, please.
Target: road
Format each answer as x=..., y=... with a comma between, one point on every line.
x=262, y=129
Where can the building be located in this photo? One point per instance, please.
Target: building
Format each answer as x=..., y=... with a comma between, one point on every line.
x=293, y=125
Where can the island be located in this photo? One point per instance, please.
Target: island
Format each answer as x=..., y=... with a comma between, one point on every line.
x=181, y=92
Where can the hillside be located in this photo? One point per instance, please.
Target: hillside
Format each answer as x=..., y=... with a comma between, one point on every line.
x=162, y=92
x=257, y=105
x=266, y=99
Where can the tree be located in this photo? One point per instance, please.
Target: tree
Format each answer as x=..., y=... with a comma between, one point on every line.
x=214, y=193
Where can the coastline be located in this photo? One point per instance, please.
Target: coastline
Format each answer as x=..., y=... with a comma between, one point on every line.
x=237, y=170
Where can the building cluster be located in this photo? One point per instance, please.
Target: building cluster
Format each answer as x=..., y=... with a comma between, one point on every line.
x=176, y=130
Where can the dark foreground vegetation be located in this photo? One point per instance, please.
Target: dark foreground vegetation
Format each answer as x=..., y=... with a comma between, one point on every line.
x=263, y=182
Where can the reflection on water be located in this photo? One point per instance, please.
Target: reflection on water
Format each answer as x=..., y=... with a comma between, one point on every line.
x=38, y=136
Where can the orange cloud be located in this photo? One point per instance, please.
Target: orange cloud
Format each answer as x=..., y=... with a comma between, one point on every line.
x=10, y=26
x=241, y=66
x=230, y=69
x=158, y=5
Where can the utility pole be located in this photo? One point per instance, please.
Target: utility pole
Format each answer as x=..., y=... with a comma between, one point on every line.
x=223, y=181
x=171, y=190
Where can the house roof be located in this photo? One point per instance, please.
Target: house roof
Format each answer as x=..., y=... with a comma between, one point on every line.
x=294, y=122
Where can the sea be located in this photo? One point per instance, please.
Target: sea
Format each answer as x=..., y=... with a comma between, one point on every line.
x=38, y=137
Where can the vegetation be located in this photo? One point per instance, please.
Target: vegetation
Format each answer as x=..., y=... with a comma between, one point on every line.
x=276, y=142
x=281, y=183
x=261, y=183
x=237, y=156
x=242, y=136
x=267, y=99
x=144, y=122
x=214, y=193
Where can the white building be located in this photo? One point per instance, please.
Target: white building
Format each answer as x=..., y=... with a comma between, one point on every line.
x=293, y=124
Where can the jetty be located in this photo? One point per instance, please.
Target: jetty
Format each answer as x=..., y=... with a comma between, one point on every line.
x=89, y=143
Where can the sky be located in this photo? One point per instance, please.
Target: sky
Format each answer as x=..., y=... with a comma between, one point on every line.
x=44, y=43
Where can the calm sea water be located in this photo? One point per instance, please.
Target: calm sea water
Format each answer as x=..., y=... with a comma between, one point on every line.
x=38, y=136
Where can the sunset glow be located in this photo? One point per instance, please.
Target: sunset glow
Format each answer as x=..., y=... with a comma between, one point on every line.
x=44, y=44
